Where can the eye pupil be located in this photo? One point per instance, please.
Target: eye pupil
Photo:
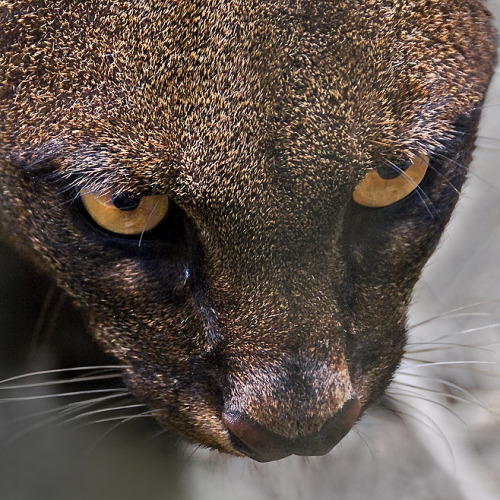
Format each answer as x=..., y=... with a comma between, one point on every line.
x=388, y=172
x=126, y=202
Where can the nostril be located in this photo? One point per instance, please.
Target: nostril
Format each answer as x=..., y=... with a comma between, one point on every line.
x=255, y=441
x=336, y=427
x=252, y=439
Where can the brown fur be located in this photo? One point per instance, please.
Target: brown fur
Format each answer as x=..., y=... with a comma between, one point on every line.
x=270, y=294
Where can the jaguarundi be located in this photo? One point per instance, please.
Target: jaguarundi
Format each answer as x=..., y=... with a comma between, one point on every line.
x=241, y=195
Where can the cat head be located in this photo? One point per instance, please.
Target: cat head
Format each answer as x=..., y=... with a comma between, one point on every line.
x=241, y=195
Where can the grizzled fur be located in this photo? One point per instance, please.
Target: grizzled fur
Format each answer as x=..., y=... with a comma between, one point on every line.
x=268, y=293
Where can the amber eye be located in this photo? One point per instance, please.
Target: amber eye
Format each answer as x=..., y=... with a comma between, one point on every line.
x=124, y=214
x=376, y=190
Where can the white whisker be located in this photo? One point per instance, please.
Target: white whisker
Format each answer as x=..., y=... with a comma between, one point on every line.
x=415, y=395
x=60, y=371
x=61, y=382
x=60, y=395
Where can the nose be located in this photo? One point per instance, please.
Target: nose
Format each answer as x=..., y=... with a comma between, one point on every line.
x=257, y=442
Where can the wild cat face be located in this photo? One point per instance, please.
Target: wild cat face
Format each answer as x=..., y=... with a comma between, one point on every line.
x=241, y=195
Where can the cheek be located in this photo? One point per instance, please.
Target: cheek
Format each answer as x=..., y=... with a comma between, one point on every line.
x=373, y=354
x=137, y=317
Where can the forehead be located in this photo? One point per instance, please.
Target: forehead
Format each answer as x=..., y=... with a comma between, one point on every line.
x=182, y=89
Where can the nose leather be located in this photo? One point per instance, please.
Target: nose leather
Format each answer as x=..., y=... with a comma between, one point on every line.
x=257, y=442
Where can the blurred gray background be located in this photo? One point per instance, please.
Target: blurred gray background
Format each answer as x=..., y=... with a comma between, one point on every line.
x=436, y=436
